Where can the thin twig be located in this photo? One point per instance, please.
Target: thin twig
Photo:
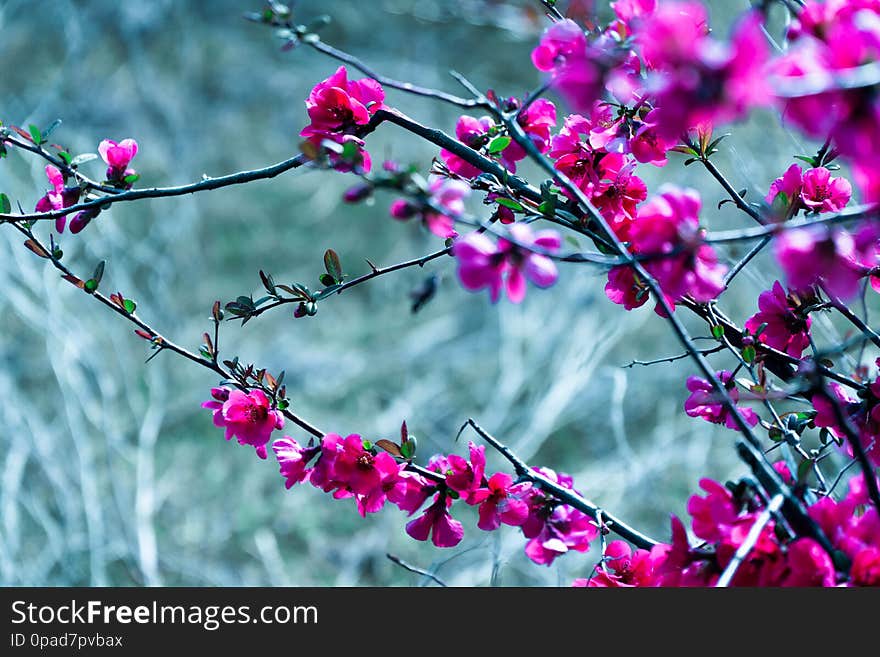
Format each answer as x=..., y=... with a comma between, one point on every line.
x=413, y=569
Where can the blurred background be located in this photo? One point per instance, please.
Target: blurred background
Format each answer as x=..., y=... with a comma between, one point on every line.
x=112, y=474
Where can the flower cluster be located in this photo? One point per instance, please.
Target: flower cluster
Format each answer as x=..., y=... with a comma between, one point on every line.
x=507, y=264
x=666, y=231
x=861, y=412
x=446, y=203
x=830, y=41
x=247, y=416
x=723, y=518
x=781, y=321
x=707, y=403
x=338, y=108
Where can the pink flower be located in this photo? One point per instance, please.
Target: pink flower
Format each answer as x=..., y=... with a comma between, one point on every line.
x=822, y=193
x=294, y=459
x=624, y=288
x=818, y=255
x=410, y=491
x=865, y=569
x=574, y=64
x=58, y=197
x=713, y=515
x=787, y=328
x=500, y=502
x=695, y=79
x=438, y=524
x=118, y=156
x=863, y=414
x=472, y=133
x=465, y=476
x=564, y=529
x=337, y=108
x=808, y=565
x=624, y=568
x=482, y=264
x=448, y=195
x=668, y=224
x=537, y=120
x=789, y=185
x=246, y=415
x=349, y=467
x=338, y=105
x=705, y=402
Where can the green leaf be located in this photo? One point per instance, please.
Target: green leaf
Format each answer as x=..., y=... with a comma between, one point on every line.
x=509, y=203
x=749, y=353
x=65, y=157
x=5, y=205
x=35, y=133
x=90, y=285
x=803, y=469
x=718, y=331
x=332, y=264
x=367, y=445
x=129, y=305
x=805, y=158
x=498, y=144
x=131, y=178
x=408, y=449
x=327, y=280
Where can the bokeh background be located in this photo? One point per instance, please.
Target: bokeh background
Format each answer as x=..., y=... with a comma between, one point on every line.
x=112, y=474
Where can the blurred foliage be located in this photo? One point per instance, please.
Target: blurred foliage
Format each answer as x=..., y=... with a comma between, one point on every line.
x=111, y=473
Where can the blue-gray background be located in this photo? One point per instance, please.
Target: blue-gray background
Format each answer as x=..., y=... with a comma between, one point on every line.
x=111, y=473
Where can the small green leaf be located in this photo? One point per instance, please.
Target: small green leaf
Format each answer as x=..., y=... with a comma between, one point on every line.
x=90, y=285
x=65, y=157
x=332, y=264
x=498, y=144
x=367, y=445
x=99, y=273
x=129, y=305
x=803, y=469
x=805, y=158
x=408, y=449
x=509, y=203
x=5, y=205
x=327, y=280
x=35, y=133
x=718, y=331
x=749, y=353
x=131, y=178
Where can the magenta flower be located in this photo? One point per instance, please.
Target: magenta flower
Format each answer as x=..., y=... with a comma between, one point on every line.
x=807, y=564
x=624, y=568
x=349, y=467
x=714, y=515
x=465, y=476
x=294, y=459
x=245, y=415
x=438, y=524
x=472, y=133
x=865, y=569
x=410, y=491
x=624, y=287
x=337, y=108
x=705, y=402
x=787, y=328
x=537, y=120
x=817, y=255
x=118, y=156
x=449, y=195
x=822, y=193
x=500, y=502
x=561, y=40
x=58, y=197
x=564, y=529
x=667, y=224
x=789, y=184
x=482, y=264
x=863, y=414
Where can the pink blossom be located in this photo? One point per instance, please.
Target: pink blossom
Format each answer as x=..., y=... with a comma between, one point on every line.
x=245, y=415
x=808, y=565
x=294, y=459
x=337, y=107
x=822, y=193
x=669, y=223
x=865, y=569
x=438, y=524
x=624, y=568
x=564, y=529
x=787, y=327
x=713, y=515
x=863, y=414
x=118, y=156
x=58, y=197
x=536, y=120
x=463, y=475
x=482, y=264
x=473, y=133
x=705, y=402
x=349, y=467
x=695, y=79
x=410, y=491
x=817, y=254
x=624, y=287
x=789, y=184
x=500, y=502
x=573, y=63
x=448, y=195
